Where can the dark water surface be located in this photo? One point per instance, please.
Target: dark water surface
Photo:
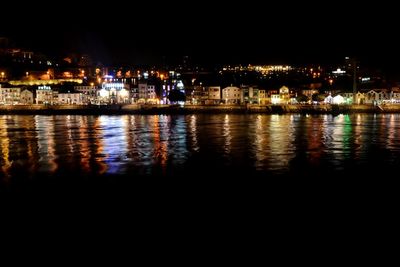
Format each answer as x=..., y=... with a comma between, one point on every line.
x=201, y=173
x=86, y=148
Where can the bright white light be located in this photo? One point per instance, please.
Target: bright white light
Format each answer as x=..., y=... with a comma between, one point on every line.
x=180, y=85
x=117, y=86
x=103, y=93
x=44, y=87
x=338, y=99
x=275, y=99
x=338, y=71
x=123, y=93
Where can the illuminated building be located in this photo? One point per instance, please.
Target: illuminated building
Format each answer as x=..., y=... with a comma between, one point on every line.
x=214, y=95
x=198, y=95
x=89, y=92
x=13, y=96
x=114, y=93
x=231, y=95
x=249, y=95
x=72, y=98
x=282, y=98
x=147, y=93
x=26, y=97
x=376, y=96
x=276, y=99
x=10, y=96
x=44, y=95
x=263, y=97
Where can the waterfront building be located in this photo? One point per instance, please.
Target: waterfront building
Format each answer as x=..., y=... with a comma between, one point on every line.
x=249, y=94
x=147, y=94
x=45, y=95
x=114, y=93
x=90, y=93
x=26, y=97
x=231, y=95
x=199, y=95
x=264, y=99
x=72, y=98
x=10, y=96
x=376, y=96
x=214, y=95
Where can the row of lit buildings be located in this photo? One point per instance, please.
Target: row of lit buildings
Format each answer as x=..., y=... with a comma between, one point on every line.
x=374, y=96
x=145, y=93
x=108, y=93
x=121, y=93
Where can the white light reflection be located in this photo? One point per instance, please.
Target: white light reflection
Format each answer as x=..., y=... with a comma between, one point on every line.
x=193, y=133
x=114, y=142
x=226, y=133
x=5, y=147
x=44, y=126
x=280, y=142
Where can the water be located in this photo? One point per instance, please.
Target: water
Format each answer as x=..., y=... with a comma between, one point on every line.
x=76, y=148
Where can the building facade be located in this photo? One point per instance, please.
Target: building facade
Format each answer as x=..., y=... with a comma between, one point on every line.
x=231, y=95
x=114, y=93
x=10, y=96
x=26, y=97
x=45, y=95
x=72, y=98
x=249, y=95
x=214, y=95
x=147, y=94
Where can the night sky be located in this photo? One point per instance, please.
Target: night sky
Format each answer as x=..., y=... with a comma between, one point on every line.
x=250, y=33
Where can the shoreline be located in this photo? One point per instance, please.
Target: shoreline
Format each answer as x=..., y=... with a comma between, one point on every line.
x=193, y=109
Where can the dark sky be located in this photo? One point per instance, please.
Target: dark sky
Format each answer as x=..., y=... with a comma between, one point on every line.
x=246, y=32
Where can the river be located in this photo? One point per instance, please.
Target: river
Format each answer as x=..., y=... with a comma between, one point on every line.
x=221, y=146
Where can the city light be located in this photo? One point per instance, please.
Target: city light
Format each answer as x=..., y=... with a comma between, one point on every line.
x=339, y=71
x=103, y=93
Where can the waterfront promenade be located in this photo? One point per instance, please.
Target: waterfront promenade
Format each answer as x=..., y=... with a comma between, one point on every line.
x=193, y=109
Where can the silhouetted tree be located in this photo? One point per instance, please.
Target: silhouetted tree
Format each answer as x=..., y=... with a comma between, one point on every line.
x=302, y=98
x=176, y=96
x=318, y=97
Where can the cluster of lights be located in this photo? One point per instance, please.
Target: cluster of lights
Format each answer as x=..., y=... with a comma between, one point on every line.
x=264, y=69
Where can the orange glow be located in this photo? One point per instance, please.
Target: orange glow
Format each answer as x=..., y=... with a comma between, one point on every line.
x=67, y=74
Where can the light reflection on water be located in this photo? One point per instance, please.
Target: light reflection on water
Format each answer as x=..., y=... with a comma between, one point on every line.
x=137, y=145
